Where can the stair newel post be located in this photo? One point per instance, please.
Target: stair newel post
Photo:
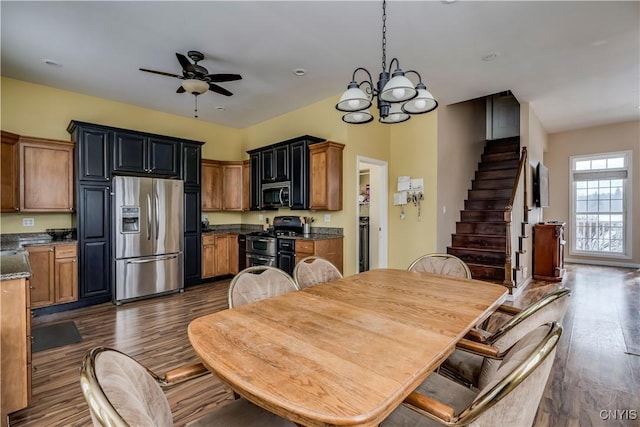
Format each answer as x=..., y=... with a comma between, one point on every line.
x=508, y=279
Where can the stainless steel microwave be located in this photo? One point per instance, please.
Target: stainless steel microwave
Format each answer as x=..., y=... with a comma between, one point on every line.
x=276, y=195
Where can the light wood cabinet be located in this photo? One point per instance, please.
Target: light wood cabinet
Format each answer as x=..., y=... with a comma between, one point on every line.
x=54, y=274
x=329, y=249
x=46, y=175
x=219, y=254
x=211, y=187
x=225, y=185
x=9, y=194
x=548, y=251
x=15, y=346
x=325, y=176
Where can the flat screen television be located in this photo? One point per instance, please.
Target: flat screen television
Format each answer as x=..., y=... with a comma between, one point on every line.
x=541, y=186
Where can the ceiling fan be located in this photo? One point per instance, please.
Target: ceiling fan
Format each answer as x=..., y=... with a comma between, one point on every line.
x=196, y=78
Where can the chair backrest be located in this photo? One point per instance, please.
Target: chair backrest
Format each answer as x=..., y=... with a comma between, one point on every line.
x=549, y=308
x=313, y=270
x=513, y=395
x=258, y=283
x=445, y=264
x=122, y=392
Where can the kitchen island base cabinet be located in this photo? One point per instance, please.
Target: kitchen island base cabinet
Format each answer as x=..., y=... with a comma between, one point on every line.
x=15, y=346
x=329, y=249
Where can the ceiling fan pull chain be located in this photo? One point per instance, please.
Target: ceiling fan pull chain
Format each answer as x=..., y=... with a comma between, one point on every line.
x=196, y=111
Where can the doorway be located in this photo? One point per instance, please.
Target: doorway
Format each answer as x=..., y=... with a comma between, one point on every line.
x=371, y=213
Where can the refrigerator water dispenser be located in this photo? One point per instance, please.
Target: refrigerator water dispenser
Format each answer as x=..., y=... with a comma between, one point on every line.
x=130, y=219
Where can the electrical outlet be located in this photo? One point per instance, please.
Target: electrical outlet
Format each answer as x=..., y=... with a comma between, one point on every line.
x=260, y=217
x=327, y=217
x=28, y=222
x=524, y=271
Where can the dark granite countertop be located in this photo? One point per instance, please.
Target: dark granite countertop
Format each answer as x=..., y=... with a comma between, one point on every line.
x=317, y=233
x=14, y=265
x=14, y=256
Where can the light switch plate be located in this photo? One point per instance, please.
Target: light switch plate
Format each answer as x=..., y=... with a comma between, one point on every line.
x=28, y=222
x=327, y=217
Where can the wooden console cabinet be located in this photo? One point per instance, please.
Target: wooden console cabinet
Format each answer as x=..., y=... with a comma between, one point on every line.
x=548, y=251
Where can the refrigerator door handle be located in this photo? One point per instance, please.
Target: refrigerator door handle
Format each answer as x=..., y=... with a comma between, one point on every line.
x=156, y=259
x=148, y=217
x=157, y=213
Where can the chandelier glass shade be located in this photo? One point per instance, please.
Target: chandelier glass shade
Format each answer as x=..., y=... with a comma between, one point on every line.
x=396, y=96
x=195, y=87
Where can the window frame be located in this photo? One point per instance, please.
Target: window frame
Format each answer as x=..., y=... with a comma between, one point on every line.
x=627, y=202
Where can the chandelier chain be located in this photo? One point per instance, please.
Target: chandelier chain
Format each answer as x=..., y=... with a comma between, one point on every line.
x=384, y=35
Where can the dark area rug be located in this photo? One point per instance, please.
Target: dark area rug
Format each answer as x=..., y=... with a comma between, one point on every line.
x=57, y=335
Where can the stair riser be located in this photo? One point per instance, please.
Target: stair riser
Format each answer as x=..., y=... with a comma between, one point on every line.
x=480, y=242
x=481, y=216
x=470, y=256
x=512, y=147
x=496, y=157
x=487, y=272
x=485, y=204
x=507, y=164
x=504, y=193
x=486, y=184
x=496, y=174
x=481, y=228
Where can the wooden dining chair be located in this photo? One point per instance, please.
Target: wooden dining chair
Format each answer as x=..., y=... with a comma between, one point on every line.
x=122, y=392
x=313, y=270
x=445, y=264
x=511, y=397
x=471, y=364
x=257, y=283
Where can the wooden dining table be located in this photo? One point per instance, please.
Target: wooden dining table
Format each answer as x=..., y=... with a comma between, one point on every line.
x=346, y=352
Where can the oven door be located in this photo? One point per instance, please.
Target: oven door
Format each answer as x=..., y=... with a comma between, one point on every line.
x=254, y=260
x=265, y=246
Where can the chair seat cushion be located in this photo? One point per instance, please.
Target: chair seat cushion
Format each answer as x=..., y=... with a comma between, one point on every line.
x=436, y=387
x=463, y=365
x=241, y=413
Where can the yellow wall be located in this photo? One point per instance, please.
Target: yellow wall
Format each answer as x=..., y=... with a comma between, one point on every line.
x=594, y=140
x=42, y=111
x=414, y=152
x=410, y=148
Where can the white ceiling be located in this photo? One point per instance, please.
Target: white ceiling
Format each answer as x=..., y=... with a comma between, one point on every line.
x=576, y=63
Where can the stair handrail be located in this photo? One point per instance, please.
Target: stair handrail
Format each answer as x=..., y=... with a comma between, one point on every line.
x=508, y=213
x=521, y=166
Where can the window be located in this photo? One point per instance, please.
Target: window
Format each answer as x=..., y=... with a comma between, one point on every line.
x=600, y=206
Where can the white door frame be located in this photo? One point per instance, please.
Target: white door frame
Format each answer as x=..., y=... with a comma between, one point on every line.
x=383, y=252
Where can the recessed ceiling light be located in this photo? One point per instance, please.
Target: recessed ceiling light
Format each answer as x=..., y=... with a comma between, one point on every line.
x=220, y=108
x=599, y=43
x=491, y=56
x=52, y=63
x=448, y=1
x=299, y=71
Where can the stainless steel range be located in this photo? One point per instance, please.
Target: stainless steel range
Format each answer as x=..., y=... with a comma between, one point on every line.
x=275, y=248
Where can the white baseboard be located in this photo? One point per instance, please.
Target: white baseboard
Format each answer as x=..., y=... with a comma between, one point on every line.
x=605, y=263
x=519, y=290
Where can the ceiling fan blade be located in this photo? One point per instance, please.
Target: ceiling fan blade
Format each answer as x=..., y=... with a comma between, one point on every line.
x=162, y=73
x=180, y=90
x=217, y=78
x=218, y=89
x=184, y=62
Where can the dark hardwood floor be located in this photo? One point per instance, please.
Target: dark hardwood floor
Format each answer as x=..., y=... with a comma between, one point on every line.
x=591, y=373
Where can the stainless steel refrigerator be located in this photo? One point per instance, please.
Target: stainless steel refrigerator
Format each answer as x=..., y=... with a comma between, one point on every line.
x=148, y=236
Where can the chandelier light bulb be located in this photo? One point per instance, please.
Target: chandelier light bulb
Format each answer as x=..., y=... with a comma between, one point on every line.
x=357, y=117
x=420, y=104
x=398, y=93
x=354, y=103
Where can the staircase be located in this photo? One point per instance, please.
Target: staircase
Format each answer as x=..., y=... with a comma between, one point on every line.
x=483, y=235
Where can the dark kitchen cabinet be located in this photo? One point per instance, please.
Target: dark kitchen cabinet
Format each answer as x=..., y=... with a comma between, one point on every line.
x=299, y=193
x=254, y=181
x=275, y=164
x=192, y=236
x=93, y=154
x=94, y=255
x=136, y=153
x=191, y=154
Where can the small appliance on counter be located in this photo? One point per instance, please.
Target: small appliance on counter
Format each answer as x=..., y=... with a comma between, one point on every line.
x=60, y=233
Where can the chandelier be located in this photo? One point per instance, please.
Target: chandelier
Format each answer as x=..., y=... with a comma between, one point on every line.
x=396, y=96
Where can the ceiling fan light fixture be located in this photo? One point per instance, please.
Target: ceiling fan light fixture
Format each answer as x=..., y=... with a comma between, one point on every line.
x=196, y=87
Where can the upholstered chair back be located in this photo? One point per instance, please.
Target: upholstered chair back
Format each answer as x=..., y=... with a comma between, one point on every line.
x=549, y=308
x=126, y=385
x=311, y=271
x=445, y=264
x=258, y=283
